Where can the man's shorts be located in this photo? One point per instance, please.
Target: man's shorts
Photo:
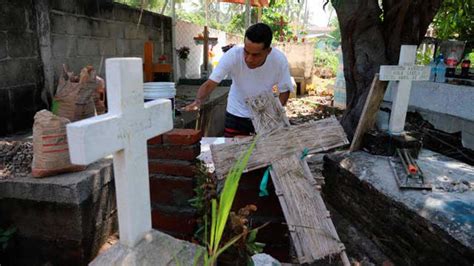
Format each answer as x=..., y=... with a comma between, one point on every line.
x=237, y=126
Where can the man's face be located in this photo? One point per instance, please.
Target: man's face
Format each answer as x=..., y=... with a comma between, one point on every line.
x=254, y=53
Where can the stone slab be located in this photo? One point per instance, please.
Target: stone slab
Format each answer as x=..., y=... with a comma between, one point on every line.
x=155, y=249
x=417, y=226
x=69, y=188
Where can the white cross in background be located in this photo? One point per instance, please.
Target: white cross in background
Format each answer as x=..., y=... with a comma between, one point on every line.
x=124, y=132
x=405, y=73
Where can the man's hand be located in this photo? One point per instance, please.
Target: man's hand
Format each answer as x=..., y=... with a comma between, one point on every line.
x=203, y=92
x=194, y=106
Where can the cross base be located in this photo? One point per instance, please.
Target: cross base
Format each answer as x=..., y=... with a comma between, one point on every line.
x=383, y=143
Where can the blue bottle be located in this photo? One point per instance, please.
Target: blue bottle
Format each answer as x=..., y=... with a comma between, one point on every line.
x=441, y=70
x=433, y=69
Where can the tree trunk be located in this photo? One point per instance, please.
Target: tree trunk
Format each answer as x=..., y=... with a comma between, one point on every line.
x=371, y=36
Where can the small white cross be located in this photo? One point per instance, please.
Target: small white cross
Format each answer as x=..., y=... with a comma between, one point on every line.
x=405, y=72
x=124, y=132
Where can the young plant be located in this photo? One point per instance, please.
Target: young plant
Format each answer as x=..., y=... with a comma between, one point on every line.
x=5, y=236
x=220, y=212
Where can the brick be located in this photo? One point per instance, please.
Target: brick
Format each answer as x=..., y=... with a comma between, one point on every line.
x=177, y=222
x=12, y=17
x=88, y=46
x=156, y=140
x=182, y=136
x=99, y=28
x=171, y=167
x=187, y=152
x=3, y=45
x=171, y=190
x=64, y=46
x=116, y=30
x=107, y=47
x=22, y=44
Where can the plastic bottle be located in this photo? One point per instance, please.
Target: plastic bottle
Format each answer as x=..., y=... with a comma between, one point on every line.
x=465, y=65
x=451, y=63
x=432, y=66
x=441, y=70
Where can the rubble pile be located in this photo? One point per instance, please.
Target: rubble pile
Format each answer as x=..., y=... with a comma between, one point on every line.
x=309, y=108
x=15, y=158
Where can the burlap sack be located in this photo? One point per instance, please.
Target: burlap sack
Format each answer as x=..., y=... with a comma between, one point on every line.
x=74, y=97
x=99, y=96
x=50, y=146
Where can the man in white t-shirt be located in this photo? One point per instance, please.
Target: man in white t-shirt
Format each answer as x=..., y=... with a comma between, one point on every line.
x=254, y=68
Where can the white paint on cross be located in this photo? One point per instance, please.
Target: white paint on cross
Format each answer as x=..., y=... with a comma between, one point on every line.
x=124, y=132
x=405, y=73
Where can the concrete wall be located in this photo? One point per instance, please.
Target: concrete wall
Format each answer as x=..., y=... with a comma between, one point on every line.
x=37, y=37
x=21, y=76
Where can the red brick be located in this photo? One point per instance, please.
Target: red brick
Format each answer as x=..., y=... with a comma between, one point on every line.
x=175, y=222
x=171, y=190
x=171, y=167
x=156, y=140
x=182, y=136
x=185, y=152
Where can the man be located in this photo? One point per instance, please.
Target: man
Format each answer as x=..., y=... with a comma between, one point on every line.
x=255, y=69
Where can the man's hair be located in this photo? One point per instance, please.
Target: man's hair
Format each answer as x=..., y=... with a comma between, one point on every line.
x=260, y=33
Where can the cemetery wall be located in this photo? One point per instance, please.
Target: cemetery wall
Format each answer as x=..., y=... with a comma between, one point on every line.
x=85, y=32
x=37, y=37
x=21, y=78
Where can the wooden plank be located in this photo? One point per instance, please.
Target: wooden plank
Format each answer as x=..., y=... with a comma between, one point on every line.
x=148, y=61
x=308, y=219
x=162, y=68
x=267, y=113
x=369, y=113
x=315, y=136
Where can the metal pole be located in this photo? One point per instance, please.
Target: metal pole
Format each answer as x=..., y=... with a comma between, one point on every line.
x=173, y=41
x=247, y=13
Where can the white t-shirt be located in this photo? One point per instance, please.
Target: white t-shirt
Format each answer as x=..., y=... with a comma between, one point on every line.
x=248, y=82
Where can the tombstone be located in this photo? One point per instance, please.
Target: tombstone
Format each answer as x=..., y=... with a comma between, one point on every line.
x=405, y=73
x=123, y=132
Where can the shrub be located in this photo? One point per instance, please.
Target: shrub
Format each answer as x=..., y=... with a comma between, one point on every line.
x=326, y=59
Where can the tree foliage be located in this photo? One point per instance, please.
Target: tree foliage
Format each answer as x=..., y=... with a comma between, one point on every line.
x=455, y=20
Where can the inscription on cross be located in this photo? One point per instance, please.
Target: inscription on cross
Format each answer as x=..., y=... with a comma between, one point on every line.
x=124, y=132
x=404, y=73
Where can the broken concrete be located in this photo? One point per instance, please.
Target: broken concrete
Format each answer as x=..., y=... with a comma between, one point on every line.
x=411, y=227
x=155, y=249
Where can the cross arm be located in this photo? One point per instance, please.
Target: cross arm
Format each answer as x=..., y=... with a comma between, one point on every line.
x=94, y=138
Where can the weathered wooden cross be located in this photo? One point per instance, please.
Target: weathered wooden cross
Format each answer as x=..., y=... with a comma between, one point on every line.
x=281, y=146
x=123, y=132
x=405, y=73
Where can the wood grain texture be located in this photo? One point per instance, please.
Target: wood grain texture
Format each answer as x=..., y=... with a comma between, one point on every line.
x=308, y=219
x=316, y=136
x=267, y=113
x=369, y=113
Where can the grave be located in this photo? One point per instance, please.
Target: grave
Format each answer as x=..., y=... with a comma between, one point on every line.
x=124, y=131
x=410, y=226
x=312, y=231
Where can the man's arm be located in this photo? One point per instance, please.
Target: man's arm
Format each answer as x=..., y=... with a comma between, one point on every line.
x=203, y=92
x=284, y=97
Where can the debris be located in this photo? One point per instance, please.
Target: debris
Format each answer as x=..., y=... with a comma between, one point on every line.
x=16, y=158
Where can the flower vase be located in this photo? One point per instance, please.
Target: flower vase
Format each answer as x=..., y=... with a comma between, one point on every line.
x=182, y=69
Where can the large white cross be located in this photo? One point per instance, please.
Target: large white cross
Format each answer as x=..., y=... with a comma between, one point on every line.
x=405, y=72
x=124, y=132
